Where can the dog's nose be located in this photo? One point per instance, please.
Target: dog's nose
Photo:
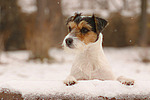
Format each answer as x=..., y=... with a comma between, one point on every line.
x=69, y=41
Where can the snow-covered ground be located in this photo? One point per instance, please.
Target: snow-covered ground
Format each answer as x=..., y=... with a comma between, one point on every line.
x=17, y=73
x=124, y=61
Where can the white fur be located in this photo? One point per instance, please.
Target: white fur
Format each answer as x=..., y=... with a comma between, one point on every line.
x=90, y=62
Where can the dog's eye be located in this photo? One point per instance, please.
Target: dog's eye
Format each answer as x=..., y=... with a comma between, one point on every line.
x=69, y=29
x=84, y=30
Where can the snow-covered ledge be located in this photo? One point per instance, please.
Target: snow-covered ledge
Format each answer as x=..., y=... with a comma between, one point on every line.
x=93, y=89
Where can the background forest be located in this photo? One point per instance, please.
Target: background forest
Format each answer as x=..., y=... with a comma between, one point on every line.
x=37, y=25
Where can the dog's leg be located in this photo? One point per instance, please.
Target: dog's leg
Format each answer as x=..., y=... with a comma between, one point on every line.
x=70, y=80
x=125, y=80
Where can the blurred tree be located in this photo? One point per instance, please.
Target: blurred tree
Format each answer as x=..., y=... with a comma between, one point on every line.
x=56, y=21
x=40, y=39
x=103, y=4
x=81, y=4
x=48, y=29
x=143, y=34
x=11, y=28
x=115, y=33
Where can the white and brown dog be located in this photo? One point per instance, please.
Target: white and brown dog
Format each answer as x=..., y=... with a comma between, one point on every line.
x=85, y=39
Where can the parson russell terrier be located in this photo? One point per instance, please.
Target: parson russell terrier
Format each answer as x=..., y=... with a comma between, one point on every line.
x=85, y=40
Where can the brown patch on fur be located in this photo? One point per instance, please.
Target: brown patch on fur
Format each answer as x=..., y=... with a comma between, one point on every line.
x=72, y=25
x=84, y=24
x=89, y=37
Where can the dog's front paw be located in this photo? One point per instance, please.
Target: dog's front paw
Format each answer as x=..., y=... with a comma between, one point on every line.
x=125, y=81
x=70, y=81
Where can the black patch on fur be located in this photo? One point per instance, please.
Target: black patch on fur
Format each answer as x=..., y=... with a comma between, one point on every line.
x=95, y=30
x=91, y=22
x=77, y=18
x=101, y=24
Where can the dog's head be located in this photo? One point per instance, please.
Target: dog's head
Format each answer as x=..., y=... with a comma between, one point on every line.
x=83, y=30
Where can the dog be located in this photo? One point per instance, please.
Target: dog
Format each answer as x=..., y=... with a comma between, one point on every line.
x=84, y=38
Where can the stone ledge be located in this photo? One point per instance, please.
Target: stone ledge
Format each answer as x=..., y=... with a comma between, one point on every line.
x=95, y=89
x=18, y=96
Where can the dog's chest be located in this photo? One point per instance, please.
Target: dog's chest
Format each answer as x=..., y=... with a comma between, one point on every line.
x=85, y=64
x=90, y=68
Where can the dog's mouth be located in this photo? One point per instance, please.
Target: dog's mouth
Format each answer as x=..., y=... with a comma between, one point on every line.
x=70, y=46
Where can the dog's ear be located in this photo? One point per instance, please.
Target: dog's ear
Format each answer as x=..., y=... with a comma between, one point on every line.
x=100, y=24
x=76, y=15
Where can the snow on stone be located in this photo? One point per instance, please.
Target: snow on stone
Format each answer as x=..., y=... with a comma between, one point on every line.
x=91, y=88
x=35, y=78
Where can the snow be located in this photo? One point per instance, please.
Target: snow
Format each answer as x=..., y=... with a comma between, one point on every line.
x=27, y=6
x=37, y=78
x=88, y=89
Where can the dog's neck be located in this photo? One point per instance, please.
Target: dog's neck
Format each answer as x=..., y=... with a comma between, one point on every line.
x=93, y=53
x=93, y=49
